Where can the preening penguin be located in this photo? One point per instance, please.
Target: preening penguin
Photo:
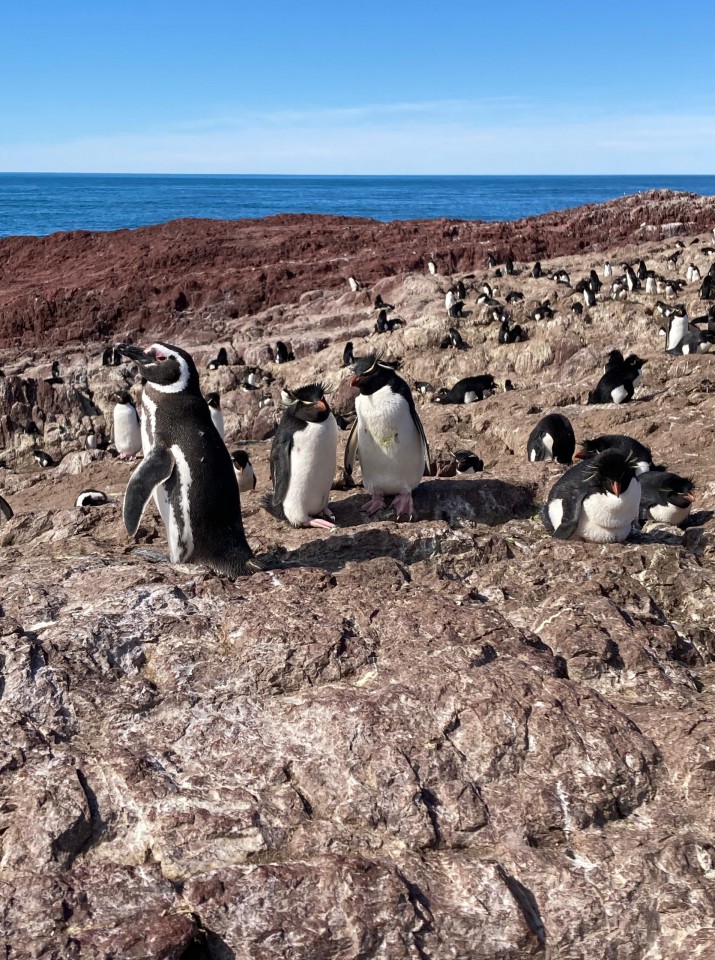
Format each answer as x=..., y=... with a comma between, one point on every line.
x=127, y=433
x=244, y=471
x=303, y=456
x=552, y=439
x=597, y=500
x=666, y=496
x=214, y=402
x=186, y=467
x=387, y=437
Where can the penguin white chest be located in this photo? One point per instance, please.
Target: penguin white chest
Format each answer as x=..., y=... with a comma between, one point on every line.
x=669, y=513
x=312, y=469
x=390, y=447
x=127, y=433
x=246, y=479
x=606, y=518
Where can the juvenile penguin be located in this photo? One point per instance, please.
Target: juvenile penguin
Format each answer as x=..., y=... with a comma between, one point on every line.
x=127, y=433
x=387, y=437
x=597, y=500
x=636, y=451
x=666, y=496
x=186, y=466
x=6, y=509
x=244, y=471
x=214, y=402
x=303, y=455
x=221, y=360
x=552, y=439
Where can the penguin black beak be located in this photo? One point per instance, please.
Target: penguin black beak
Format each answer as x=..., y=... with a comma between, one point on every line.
x=135, y=353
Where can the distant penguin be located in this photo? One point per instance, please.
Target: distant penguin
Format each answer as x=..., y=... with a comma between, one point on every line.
x=244, y=471
x=265, y=402
x=679, y=244
x=666, y=497
x=468, y=462
x=536, y=270
x=508, y=385
x=632, y=281
x=283, y=354
x=44, y=459
x=348, y=356
x=379, y=304
x=467, y=390
x=577, y=308
x=487, y=290
x=642, y=270
x=303, y=456
x=455, y=311
x=589, y=297
x=695, y=341
x=707, y=288
x=387, y=438
x=431, y=267
x=127, y=432
x=461, y=290
x=221, y=360
x=423, y=387
x=638, y=453
x=607, y=269
x=56, y=370
x=454, y=339
x=491, y=262
x=552, y=439
x=5, y=509
x=354, y=284
x=509, y=266
x=111, y=357
x=593, y=281
x=449, y=299
x=619, y=382
x=695, y=275
x=214, y=402
x=650, y=285
x=186, y=467
x=561, y=276
x=596, y=501
x=509, y=333
x=514, y=296
x=678, y=327
x=90, y=441
x=91, y=498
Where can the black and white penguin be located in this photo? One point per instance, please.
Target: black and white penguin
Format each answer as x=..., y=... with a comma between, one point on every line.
x=509, y=333
x=577, y=308
x=91, y=498
x=422, y=387
x=491, y=262
x=456, y=310
x=379, y=304
x=353, y=284
x=431, y=267
x=561, y=276
x=589, y=297
x=468, y=462
x=514, y=296
x=486, y=290
x=303, y=456
x=127, y=432
x=265, y=402
x=461, y=290
x=214, y=402
x=5, y=509
x=454, y=339
x=619, y=382
x=593, y=281
x=508, y=385
x=642, y=270
x=44, y=459
x=695, y=341
x=536, y=270
x=348, y=357
x=244, y=471
x=707, y=288
x=387, y=437
x=111, y=357
x=680, y=244
x=186, y=467
x=678, y=326
x=283, y=353
x=449, y=298
x=597, y=500
x=468, y=390
x=666, y=497
x=544, y=311
x=220, y=360
x=509, y=267
x=607, y=269
x=552, y=439
x=637, y=452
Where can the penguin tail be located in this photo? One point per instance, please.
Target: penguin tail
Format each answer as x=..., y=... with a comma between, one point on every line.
x=275, y=509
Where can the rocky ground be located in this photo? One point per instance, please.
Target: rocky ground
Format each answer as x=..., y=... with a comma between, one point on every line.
x=451, y=738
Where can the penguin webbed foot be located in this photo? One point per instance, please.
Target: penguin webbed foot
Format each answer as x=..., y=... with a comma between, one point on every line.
x=374, y=504
x=403, y=504
x=328, y=514
x=321, y=524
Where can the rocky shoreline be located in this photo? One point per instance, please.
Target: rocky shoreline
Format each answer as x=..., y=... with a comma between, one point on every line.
x=456, y=737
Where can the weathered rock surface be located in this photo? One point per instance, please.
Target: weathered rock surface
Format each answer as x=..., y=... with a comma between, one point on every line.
x=451, y=738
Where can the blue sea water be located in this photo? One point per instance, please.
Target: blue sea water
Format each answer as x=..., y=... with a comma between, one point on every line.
x=39, y=204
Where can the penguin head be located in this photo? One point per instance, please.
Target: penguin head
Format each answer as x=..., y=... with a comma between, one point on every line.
x=240, y=459
x=213, y=400
x=307, y=403
x=168, y=369
x=372, y=373
x=676, y=490
x=612, y=472
x=122, y=396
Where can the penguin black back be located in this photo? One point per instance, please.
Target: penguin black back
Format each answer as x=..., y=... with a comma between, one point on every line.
x=552, y=439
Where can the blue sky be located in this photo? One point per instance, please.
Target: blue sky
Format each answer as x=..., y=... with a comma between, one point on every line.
x=219, y=87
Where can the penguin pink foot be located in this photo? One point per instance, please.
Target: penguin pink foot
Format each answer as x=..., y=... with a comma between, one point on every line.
x=403, y=503
x=375, y=503
x=322, y=524
x=329, y=515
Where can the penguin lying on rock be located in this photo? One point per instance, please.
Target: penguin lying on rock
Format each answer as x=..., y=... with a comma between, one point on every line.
x=665, y=496
x=186, y=467
x=552, y=439
x=597, y=500
x=387, y=437
x=638, y=452
x=303, y=456
x=468, y=390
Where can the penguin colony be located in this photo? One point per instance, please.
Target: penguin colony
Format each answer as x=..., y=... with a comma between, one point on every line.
x=180, y=433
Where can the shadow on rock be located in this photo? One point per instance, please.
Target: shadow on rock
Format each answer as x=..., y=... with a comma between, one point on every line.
x=332, y=553
x=473, y=501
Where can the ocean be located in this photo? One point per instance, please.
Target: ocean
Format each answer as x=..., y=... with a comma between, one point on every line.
x=38, y=204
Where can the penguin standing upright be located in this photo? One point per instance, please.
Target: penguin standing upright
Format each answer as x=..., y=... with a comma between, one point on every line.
x=303, y=456
x=387, y=437
x=127, y=433
x=283, y=353
x=214, y=402
x=620, y=380
x=186, y=467
x=597, y=500
x=244, y=471
x=607, y=269
x=552, y=439
x=348, y=358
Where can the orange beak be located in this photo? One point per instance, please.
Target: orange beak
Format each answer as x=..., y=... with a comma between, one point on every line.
x=616, y=487
x=689, y=497
x=321, y=405
x=355, y=382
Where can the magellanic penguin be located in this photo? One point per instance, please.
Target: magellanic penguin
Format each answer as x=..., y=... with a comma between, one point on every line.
x=552, y=439
x=597, y=500
x=244, y=471
x=387, y=437
x=127, y=433
x=186, y=466
x=303, y=457
x=214, y=402
x=636, y=451
x=666, y=496
x=5, y=509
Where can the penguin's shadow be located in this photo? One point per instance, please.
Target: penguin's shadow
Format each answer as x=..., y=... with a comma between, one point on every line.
x=334, y=552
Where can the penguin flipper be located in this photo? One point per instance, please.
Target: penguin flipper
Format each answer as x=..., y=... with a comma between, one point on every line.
x=153, y=470
x=425, y=445
x=351, y=450
x=569, y=518
x=280, y=466
x=6, y=509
